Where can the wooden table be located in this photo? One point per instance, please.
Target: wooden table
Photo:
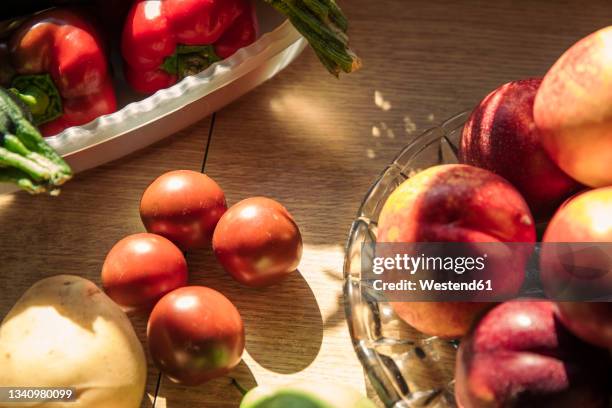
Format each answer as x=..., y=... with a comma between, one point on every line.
x=315, y=144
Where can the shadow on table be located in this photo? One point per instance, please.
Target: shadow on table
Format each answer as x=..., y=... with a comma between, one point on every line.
x=72, y=233
x=288, y=155
x=337, y=316
x=139, y=322
x=217, y=393
x=284, y=326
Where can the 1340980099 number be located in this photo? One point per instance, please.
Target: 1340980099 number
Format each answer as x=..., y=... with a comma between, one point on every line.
x=35, y=394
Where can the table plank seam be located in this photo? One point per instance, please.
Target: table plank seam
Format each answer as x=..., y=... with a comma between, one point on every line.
x=157, y=386
x=210, y=134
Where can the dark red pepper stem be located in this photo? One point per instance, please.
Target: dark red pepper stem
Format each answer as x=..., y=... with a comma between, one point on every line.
x=39, y=94
x=189, y=60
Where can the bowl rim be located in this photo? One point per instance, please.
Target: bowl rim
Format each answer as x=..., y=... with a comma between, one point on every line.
x=383, y=382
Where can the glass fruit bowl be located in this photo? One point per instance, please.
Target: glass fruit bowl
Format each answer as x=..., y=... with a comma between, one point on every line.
x=406, y=367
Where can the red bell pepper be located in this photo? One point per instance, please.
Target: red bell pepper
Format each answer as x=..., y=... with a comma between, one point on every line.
x=61, y=70
x=166, y=40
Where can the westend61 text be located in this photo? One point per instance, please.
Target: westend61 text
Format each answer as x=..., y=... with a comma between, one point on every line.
x=432, y=285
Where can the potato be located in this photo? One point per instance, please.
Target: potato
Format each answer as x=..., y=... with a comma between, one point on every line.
x=65, y=332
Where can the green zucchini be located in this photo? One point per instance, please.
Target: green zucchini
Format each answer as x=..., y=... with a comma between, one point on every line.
x=25, y=157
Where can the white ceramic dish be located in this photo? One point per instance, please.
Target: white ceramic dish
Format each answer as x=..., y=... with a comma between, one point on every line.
x=143, y=121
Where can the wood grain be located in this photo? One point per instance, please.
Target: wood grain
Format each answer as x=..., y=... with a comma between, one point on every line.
x=315, y=144
x=71, y=234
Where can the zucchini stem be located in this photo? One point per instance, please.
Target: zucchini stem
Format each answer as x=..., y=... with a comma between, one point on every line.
x=324, y=25
x=25, y=158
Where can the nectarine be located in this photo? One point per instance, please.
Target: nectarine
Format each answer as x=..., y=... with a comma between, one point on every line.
x=501, y=136
x=575, y=269
x=455, y=203
x=591, y=321
x=581, y=269
x=573, y=110
x=520, y=355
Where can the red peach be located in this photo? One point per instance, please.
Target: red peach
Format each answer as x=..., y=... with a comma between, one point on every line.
x=573, y=110
x=455, y=203
x=587, y=218
x=577, y=270
x=520, y=355
x=591, y=321
x=501, y=136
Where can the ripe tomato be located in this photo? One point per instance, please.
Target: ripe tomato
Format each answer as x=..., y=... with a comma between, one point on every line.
x=183, y=206
x=257, y=242
x=141, y=268
x=195, y=334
